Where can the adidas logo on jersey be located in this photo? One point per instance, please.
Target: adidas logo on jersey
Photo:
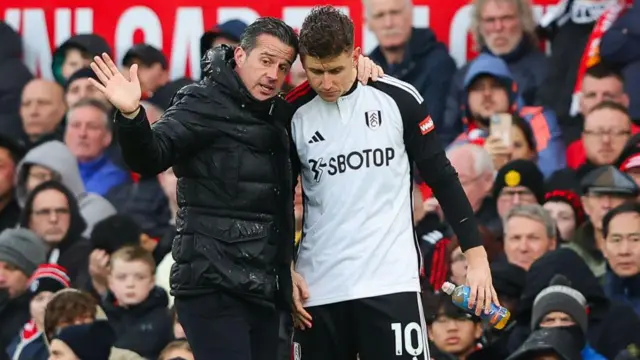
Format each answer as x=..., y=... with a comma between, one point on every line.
x=316, y=138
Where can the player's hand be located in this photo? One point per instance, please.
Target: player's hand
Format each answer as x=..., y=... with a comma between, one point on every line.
x=367, y=69
x=479, y=281
x=123, y=93
x=301, y=318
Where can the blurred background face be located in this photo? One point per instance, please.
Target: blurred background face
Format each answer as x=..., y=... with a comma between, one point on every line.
x=169, y=183
x=12, y=279
x=50, y=216
x=61, y=351
x=38, y=305
x=487, y=96
x=513, y=196
x=73, y=61
x=500, y=26
x=297, y=75
x=622, y=245
x=42, y=107
x=458, y=267
x=564, y=217
x=595, y=91
x=556, y=319
x=87, y=135
x=390, y=21
x=520, y=149
x=82, y=89
x=179, y=354
x=526, y=240
x=331, y=78
x=264, y=69
x=598, y=205
x=37, y=175
x=130, y=281
x=606, y=131
x=7, y=171
x=454, y=336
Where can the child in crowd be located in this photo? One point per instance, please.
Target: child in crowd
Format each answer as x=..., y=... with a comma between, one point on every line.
x=135, y=307
x=30, y=344
x=178, y=331
x=177, y=350
x=83, y=342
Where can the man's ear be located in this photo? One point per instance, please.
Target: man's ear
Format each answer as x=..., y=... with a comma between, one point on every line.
x=357, y=51
x=240, y=56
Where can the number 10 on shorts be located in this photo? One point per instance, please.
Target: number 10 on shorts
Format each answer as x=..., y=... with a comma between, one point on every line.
x=410, y=338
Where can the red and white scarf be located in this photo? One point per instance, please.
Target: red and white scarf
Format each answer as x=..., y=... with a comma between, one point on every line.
x=591, y=55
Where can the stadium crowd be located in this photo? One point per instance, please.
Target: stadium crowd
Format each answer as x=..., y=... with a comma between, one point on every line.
x=85, y=243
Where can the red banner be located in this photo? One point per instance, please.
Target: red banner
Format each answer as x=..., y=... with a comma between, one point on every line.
x=176, y=26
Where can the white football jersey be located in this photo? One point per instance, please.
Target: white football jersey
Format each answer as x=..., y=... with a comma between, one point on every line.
x=355, y=158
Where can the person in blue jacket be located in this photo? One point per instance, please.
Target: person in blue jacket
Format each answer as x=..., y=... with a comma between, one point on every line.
x=490, y=89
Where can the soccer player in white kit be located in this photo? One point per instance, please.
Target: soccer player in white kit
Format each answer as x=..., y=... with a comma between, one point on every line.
x=356, y=273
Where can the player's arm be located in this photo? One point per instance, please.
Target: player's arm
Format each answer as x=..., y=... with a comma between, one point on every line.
x=425, y=149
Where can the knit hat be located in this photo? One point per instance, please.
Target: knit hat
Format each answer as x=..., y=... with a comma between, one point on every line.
x=83, y=73
x=49, y=277
x=560, y=296
x=22, y=249
x=520, y=173
x=562, y=186
x=558, y=340
x=89, y=341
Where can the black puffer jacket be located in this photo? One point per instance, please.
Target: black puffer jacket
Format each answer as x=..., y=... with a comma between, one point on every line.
x=230, y=153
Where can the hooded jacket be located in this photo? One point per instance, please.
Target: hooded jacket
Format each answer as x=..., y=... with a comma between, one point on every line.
x=15, y=76
x=72, y=252
x=91, y=44
x=428, y=66
x=55, y=155
x=529, y=67
x=611, y=327
x=547, y=134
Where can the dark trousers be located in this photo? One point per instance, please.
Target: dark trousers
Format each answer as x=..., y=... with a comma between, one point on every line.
x=220, y=326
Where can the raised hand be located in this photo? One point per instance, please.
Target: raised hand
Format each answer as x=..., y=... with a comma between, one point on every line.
x=122, y=93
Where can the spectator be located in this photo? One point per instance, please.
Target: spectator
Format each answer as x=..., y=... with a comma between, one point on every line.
x=78, y=87
x=136, y=308
x=410, y=54
x=228, y=33
x=619, y=46
x=42, y=111
x=602, y=189
x=178, y=349
x=561, y=306
x=452, y=332
x=168, y=181
x=87, y=341
x=87, y=136
x=21, y=252
x=73, y=307
x=522, y=146
x=600, y=83
x=297, y=75
x=53, y=161
x=621, y=231
x=489, y=90
x=607, y=128
x=563, y=203
x=10, y=155
x=519, y=182
x=153, y=67
x=529, y=233
x=505, y=29
x=76, y=53
x=15, y=76
x=611, y=326
x=629, y=161
x=30, y=343
x=52, y=213
x=553, y=343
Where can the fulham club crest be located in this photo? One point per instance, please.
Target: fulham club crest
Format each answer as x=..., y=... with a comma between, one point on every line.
x=373, y=119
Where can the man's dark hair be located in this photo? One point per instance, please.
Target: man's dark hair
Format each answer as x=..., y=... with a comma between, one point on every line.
x=630, y=207
x=611, y=105
x=603, y=70
x=326, y=33
x=269, y=26
x=439, y=304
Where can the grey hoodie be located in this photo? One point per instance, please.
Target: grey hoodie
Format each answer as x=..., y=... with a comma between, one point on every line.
x=55, y=155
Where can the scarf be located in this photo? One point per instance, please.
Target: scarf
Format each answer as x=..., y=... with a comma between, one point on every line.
x=591, y=55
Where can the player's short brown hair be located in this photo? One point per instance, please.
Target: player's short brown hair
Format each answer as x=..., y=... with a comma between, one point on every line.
x=66, y=308
x=133, y=253
x=326, y=33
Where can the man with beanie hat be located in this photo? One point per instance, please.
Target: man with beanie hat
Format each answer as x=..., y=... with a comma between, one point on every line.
x=78, y=87
x=30, y=343
x=629, y=161
x=21, y=252
x=83, y=342
x=563, y=202
x=561, y=306
x=519, y=182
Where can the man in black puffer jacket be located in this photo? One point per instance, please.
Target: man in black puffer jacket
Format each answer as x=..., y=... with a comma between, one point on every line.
x=227, y=143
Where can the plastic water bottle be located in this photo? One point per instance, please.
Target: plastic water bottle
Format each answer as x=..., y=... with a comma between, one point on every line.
x=497, y=317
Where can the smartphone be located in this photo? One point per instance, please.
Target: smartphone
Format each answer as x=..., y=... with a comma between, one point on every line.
x=501, y=127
